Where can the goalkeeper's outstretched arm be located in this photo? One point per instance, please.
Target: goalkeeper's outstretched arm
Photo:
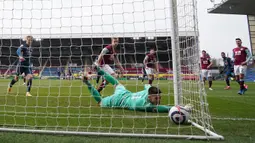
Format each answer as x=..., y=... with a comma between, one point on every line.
x=92, y=90
x=155, y=109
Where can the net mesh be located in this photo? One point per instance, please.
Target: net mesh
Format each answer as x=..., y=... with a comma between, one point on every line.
x=69, y=37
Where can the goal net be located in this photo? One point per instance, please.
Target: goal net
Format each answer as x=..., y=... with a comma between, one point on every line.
x=69, y=35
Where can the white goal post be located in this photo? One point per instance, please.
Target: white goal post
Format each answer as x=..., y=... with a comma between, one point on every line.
x=69, y=35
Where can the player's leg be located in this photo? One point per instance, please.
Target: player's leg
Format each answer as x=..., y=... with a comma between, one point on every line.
x=98, y=78
x=29, y=77
x=241, y=76
x=204, y=75
x=149, y=72
x=210, y=79
x=236, y=71
x=19, y=70
x=24, y=78
x=144, y=74
x=102, y=85
x=108, y=77
x=109, y=70
x=227, y=75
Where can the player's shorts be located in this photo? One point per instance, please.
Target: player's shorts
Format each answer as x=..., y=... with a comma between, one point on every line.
x=115, y=99
x=20, y=69
x=149, y=71
x=108, y=69
x=239, y=69
x=206, y=73
x=229, y=73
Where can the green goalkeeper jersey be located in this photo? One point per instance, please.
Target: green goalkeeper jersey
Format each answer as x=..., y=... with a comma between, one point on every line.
x=122, y=98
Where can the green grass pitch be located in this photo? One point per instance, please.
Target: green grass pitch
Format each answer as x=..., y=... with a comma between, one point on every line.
x=66, y=105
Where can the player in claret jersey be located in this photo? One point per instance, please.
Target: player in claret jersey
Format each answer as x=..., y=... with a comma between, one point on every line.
x=228, y=69
x=241, y=56
x=106, y=58
x=150, y=64
x=206, y=64
x=147, y=100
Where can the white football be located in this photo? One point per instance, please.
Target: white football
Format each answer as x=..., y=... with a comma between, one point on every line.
x=179, y=114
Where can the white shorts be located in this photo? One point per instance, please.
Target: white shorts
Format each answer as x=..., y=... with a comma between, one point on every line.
x=108, y=69
x=239, y=69
x=206, y=73
x=149, y=71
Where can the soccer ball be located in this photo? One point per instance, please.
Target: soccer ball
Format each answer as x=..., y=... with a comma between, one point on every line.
x=179, y=114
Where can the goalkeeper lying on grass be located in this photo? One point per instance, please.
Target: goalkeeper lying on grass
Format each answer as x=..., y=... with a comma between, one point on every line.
x=147, y=100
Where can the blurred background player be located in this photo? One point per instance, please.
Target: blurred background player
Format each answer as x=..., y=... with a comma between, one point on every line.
x=59, y=72
x=241, y=56
x=206, y=64
x=106, y=58
x=151, y=65
x=147, y=100
x=228, y=69
x=80, y=74
x=70, y=73
x=24, y=52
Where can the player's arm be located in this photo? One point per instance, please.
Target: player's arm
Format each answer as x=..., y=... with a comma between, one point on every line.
x=100, y=57
x=233, y=56
x=20, y=53
x=249, y=56
x=154, y=108
x=145, y=61
x=117, y=61
x=210, y=65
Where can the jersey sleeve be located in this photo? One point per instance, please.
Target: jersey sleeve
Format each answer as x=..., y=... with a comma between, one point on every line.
x=145, y=60
x=147, y=86
x=104, y=51
x=233, y=55
x=19, y=51
x=154, y=108
x=249, y=56
x=209, y=58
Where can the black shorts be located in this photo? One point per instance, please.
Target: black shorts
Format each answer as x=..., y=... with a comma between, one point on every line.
x=20, y=69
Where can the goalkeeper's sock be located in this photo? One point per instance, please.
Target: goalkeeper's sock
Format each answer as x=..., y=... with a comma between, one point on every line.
x=227, y=82
x=29, y=85
x=93, y=91
x=210, y=84
x=12, y=82
x=108, y=77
